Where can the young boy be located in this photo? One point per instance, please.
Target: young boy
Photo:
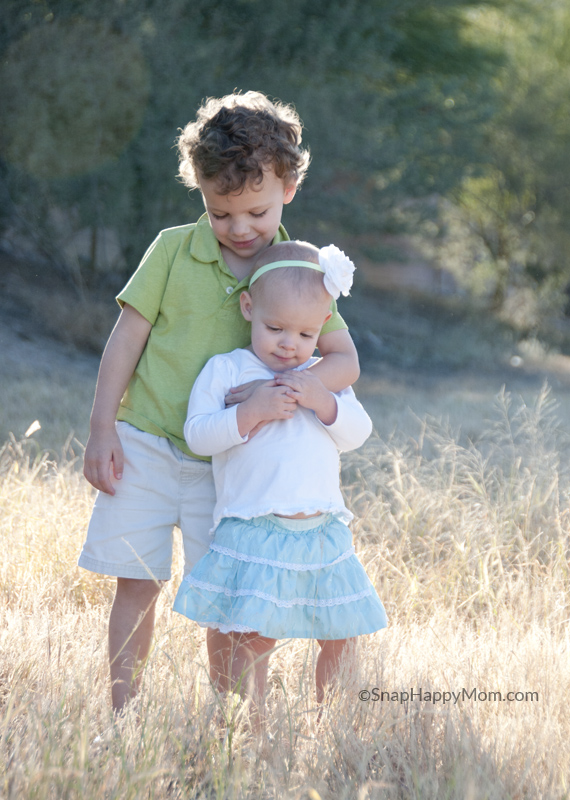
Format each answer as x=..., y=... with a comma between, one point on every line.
x=180, y=308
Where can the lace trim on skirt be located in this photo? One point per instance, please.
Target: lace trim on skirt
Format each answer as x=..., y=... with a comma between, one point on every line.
x=226, y=551
x=297, y=601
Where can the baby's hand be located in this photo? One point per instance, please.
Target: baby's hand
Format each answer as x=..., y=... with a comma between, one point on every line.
x=271, y=401
x=309, y=392
x=103, y=459
x=267, y=403
x=240, y=393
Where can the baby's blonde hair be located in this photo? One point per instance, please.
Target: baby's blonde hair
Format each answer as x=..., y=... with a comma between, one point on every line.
x=301, y=279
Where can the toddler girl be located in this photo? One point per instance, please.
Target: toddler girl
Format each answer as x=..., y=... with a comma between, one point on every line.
x=281, y=563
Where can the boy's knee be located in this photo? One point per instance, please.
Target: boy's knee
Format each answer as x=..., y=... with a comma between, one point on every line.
x=135, y=589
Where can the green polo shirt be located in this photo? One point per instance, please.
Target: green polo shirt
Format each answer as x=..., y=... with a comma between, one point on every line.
x=184, y=288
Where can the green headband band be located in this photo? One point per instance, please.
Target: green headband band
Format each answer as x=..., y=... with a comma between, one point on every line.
x=276, y=264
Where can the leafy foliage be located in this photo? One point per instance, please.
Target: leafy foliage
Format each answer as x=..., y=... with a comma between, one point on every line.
x=393, y=93
x=514, y=208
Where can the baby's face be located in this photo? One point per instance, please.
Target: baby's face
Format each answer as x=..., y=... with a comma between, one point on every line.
x=284, y=325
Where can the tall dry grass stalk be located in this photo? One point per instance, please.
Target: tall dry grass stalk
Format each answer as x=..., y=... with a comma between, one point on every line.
x=468, y=546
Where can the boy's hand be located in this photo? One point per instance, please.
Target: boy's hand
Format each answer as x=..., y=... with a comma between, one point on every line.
x=103, y=459
x=104, y=451
x=308, y=391
x=267, y=403
x=240, y=393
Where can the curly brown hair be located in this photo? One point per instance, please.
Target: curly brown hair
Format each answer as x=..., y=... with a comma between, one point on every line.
x=236, y=137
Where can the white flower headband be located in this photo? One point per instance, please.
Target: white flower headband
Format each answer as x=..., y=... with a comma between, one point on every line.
x=338, y=270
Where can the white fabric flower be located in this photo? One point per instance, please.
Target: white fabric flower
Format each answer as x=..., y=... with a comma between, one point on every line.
x=339, y=270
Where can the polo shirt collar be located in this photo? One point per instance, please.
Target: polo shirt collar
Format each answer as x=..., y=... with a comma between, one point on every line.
x=206, y=248
x=204, y=245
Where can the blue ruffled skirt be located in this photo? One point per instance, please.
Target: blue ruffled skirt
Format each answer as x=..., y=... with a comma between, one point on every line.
x=283, y=578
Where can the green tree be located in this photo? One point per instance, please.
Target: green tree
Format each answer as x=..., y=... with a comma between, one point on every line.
x=515, y=207
x=395, y=95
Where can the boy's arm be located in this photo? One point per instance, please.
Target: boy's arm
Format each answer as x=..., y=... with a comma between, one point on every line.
x=339, y=367
x=121, y=356
x=343, y=417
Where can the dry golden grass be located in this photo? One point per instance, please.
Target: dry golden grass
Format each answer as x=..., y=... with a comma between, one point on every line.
x=468, y=546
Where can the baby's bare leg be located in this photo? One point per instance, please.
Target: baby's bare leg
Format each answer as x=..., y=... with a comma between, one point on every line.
x=131, y=625
x=249, y=670
x=220, y=647
x=329, y=661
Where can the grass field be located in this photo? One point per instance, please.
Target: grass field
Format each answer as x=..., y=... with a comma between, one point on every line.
x=463, y=523
x=467, y=545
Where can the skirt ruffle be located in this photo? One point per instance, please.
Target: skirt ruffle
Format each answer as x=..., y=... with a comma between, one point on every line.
x=261, y=576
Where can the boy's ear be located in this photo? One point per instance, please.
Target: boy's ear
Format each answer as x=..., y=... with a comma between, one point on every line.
x=328, y=316
x=289, y=193
x=246, y=305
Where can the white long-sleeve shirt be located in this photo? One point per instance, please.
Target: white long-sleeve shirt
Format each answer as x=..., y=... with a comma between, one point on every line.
x=290, y=466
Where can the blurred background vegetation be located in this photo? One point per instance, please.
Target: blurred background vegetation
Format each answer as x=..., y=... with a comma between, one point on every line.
x=443, y=121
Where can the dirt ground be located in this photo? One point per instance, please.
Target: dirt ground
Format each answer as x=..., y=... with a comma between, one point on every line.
x=46, y=379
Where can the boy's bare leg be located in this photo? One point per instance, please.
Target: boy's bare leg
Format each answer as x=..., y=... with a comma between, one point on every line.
x=131, y=625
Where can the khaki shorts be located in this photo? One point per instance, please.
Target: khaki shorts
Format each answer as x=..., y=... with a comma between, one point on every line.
x=131, y=532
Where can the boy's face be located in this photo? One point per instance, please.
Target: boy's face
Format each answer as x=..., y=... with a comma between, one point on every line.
x=245, y=223
x=284, y=325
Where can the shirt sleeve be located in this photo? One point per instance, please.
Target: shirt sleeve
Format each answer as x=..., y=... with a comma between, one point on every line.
x=335, y=323
x=210, y=427
x=146, y=288
x=352, y=426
